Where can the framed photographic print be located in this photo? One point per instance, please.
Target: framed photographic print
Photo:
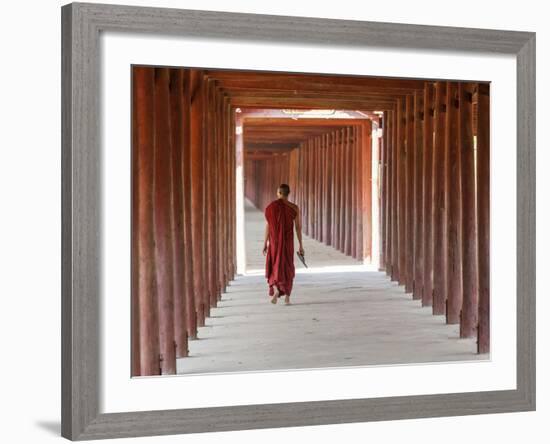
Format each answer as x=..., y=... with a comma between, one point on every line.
x=274, y=221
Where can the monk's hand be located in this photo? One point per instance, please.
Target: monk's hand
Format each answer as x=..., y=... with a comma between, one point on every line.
x=301, y=250
x=264, y=251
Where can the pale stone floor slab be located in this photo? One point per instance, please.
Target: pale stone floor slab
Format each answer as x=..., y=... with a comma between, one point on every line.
x=341, y=314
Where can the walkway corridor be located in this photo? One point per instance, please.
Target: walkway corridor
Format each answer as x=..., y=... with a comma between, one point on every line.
x=341, y=314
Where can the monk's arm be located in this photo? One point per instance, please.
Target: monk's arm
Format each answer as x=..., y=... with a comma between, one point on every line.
x=266, y=237
x=298, y=225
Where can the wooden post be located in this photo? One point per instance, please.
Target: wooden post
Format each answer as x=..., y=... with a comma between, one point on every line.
x=428, y=146
x=468, y=320
x=187, y=217
x=401, y=192
x=394, y=214
x=388, y=254
x=210, y=134
x=366, y=147
x=483, y=215
x=347, y=192
x=440, y=169
x=176, y=207
x=358, y=136
x=318, y=191
x=328, y=188
x=204, y=195
x=163, y=223
x=383, y=187
x=353, y=192
x=333, y=193
x=409, y=192
x=196, y=195
x=454, y=295
x=145, y=331
x=338, y=190
x=418, y=214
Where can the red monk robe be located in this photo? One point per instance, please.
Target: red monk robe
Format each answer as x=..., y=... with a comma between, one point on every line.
x=279, y=264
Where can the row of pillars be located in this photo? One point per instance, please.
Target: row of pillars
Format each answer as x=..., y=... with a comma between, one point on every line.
x=434, y=215
x=183, y=211
x=330, y=176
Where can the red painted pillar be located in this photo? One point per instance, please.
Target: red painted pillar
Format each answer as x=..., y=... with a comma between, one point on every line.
x=385, y=198
x=383, y=169
x=409, y=193
x=401, y=192
x=212, y=193
x=145, y=331
x=468, y=319
x=483, y=216
x=348, y=228
x=357, y=220
x=333, y=181
x=394, y=213
x=440, y=169
x=197, y=190
x=366, y=147
x=342, y=190
x=318, y=192
x=336, y=191
x=178, y=246
x=187, y=222
x=326, y=189
x=428, y=173
x=163, y=223
x=418, y=214
x=454, y=295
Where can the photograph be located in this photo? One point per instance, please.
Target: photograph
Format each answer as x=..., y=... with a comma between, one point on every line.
x=295, y=220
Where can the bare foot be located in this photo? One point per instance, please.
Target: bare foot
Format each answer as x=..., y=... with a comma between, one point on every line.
x=275, y=297
x=287, y=300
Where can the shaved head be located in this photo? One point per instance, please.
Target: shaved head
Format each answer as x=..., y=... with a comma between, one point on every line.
x=284, y=189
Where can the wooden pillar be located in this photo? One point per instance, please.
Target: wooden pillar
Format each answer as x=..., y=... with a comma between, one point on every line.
x=468, y=319
x=327, y=190
x=338, y=189
x=358, y=143
x=418, y=214
x=232, y=191
x=196, y=195
x=366, y=147
x=394, y=212
x=318, y=191
x=347, y=192
x=454, y=295
x=401, y=191
x=220, y=132
x=383, y=187
x=440, y=169
x=145, y=331
x=163, y=223
x=385, y=198
x=483, y=215
x=205, y=189
x=333, y=194
x=212, y=193
x=428, y=206
x=176, y=206
x=187, y=223
x=409, y=193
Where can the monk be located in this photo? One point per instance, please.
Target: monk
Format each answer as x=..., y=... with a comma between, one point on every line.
x=281, y=218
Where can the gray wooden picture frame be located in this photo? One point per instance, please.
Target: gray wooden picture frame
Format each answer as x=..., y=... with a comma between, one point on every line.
x=81, y=231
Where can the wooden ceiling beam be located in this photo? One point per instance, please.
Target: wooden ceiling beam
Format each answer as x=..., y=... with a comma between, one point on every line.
x=311, y=103
x=320, y=81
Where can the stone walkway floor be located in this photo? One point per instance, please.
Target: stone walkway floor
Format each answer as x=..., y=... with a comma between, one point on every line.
x=341, y=314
